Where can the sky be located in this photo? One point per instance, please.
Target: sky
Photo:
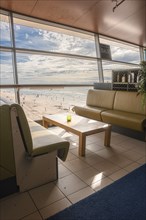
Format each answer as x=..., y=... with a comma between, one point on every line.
x=48, y=69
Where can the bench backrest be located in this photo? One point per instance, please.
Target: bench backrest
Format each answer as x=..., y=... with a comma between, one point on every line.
x=7, y=164
x=129, y=102
x=100, y=98
x=7, y=160
x=23, y=127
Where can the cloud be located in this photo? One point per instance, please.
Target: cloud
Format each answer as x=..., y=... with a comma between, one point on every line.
x=51, y=69
x=4, y=34
x=123, y=52
x=47, y=69
x=33, y=38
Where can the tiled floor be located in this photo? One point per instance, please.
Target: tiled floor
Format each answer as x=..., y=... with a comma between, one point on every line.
x=79, y=177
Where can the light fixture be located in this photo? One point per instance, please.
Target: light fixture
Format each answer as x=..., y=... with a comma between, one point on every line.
x=117, y=3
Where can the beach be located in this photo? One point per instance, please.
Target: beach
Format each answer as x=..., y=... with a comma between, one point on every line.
x=36, y=103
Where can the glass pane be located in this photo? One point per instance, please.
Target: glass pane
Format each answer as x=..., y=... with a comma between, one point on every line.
x=144, y=51
x=5, y=39
x=37, y=36
x=51, y=101
x=122, y=52
x=40, y=69
x=8, y=94
x=108, y=67
x=6, y=68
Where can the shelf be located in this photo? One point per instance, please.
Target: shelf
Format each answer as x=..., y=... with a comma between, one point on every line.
x=129, y=76
x=121, y=83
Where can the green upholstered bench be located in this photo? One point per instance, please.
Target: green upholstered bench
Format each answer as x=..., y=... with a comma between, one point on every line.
x=28, y=150
x=120, y=108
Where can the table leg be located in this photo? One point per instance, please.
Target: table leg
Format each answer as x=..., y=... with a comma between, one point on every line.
x=107, y=138
x=45, y=123
x=82, y=144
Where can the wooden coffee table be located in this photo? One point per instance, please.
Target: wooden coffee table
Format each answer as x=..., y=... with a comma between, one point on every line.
x=80, y=126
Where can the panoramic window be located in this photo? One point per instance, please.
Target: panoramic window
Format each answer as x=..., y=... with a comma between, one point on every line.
x=38, y=36
x=6, y=68
x=122, y=52
x=62, y=57
x=41, y=69
x=5, y=36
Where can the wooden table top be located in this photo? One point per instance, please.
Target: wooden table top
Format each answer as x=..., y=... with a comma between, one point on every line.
x=78, y=124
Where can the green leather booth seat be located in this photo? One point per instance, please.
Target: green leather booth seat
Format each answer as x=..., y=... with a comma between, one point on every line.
x=7, y=164
x=124, y=119
x=89, y=112
x=27, y=148
x=122, y=108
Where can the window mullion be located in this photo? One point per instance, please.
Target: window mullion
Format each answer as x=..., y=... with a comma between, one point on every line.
x=99, y=61
x=15, y=73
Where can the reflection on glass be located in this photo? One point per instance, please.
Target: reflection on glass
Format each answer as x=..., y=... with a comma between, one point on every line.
x=39, y=69
x=122, y=52
x=51, y=101
x=8, y=94
x=6, y=68
x=38, y=36
x=109, y=66
x=5, y=39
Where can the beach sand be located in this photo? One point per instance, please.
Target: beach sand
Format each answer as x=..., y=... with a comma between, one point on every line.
x=36, y=103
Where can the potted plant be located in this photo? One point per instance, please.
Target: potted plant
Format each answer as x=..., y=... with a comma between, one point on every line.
x=141, y=85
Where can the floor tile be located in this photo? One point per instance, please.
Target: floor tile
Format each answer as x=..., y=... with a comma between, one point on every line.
x=106, y=153
x=90, y=175
x=93, y=159
x=16, y=207
x=132, y=167
x=83, y=193
x=118, y=139
x=76, y=165
x=33, y=216
x=120, y=160
x=142, y=160
x=131, y=143
x=119, y=174
x=70, y=156
x=73, y=145
x=106, y=167
x=95, y=141
x=75, y=151
x=63, y=171
x=94, y=147
x=132, y=155
x=45, y=195
x=140, y=148
x=118, y=148
x=70, y=184
x=54, y=208
x=101, y=183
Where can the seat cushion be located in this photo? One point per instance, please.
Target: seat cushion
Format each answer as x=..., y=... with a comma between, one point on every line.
x=124, y=119
x=45, y=141
x=89, y=112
